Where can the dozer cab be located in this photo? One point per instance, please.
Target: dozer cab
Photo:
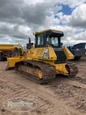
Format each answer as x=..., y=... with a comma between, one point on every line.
x=45, y=59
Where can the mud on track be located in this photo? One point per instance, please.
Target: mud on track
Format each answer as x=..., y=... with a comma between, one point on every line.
x=62, y=96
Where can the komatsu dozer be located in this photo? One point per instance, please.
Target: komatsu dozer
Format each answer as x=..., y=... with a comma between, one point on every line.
x=45, y=59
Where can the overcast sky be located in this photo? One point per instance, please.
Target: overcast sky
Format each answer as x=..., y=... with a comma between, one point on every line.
x=19, y=19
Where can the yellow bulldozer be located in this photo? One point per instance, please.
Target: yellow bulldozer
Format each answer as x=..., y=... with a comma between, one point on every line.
x=45, y=58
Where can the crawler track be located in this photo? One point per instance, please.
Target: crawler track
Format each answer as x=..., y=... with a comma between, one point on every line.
x=28, y=69
x=72, y=68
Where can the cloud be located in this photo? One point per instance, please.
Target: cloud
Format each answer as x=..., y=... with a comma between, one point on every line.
x=18, y=12
x=17, y=17
x=14, y=30
x=70, y=3
x=78, y=17
x=9, y=9
x=36, y=13
x=20, y=18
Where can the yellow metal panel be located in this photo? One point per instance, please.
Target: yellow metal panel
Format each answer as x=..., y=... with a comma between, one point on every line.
x=52, y=55
x=11, y=61
x=68, y=54
x=41, y=51
x=38, y=53
x=8, y=47
x=61, y=69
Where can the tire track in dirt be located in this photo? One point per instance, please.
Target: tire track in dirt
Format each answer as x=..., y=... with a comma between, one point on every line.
x=73, y=90
x=16, y=89
x=43, y=95
x=72, y=93
x=64, y=94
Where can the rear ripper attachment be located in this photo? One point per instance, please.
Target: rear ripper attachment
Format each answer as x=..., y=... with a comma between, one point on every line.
x=38, y=72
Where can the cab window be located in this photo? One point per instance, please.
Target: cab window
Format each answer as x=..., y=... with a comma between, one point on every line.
x=40, y=40
x=54, y=41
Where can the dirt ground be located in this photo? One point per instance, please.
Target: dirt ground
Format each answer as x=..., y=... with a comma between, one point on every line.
x=62, y=96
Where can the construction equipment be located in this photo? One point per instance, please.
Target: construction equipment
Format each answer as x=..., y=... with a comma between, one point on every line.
x=6, y=50
x=46, y=59
x=78, y=50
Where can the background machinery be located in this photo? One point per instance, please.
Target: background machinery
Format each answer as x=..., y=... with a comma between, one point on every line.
x=46, y=59
x=6, y=50
x=78, y=50
x=10, y=50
